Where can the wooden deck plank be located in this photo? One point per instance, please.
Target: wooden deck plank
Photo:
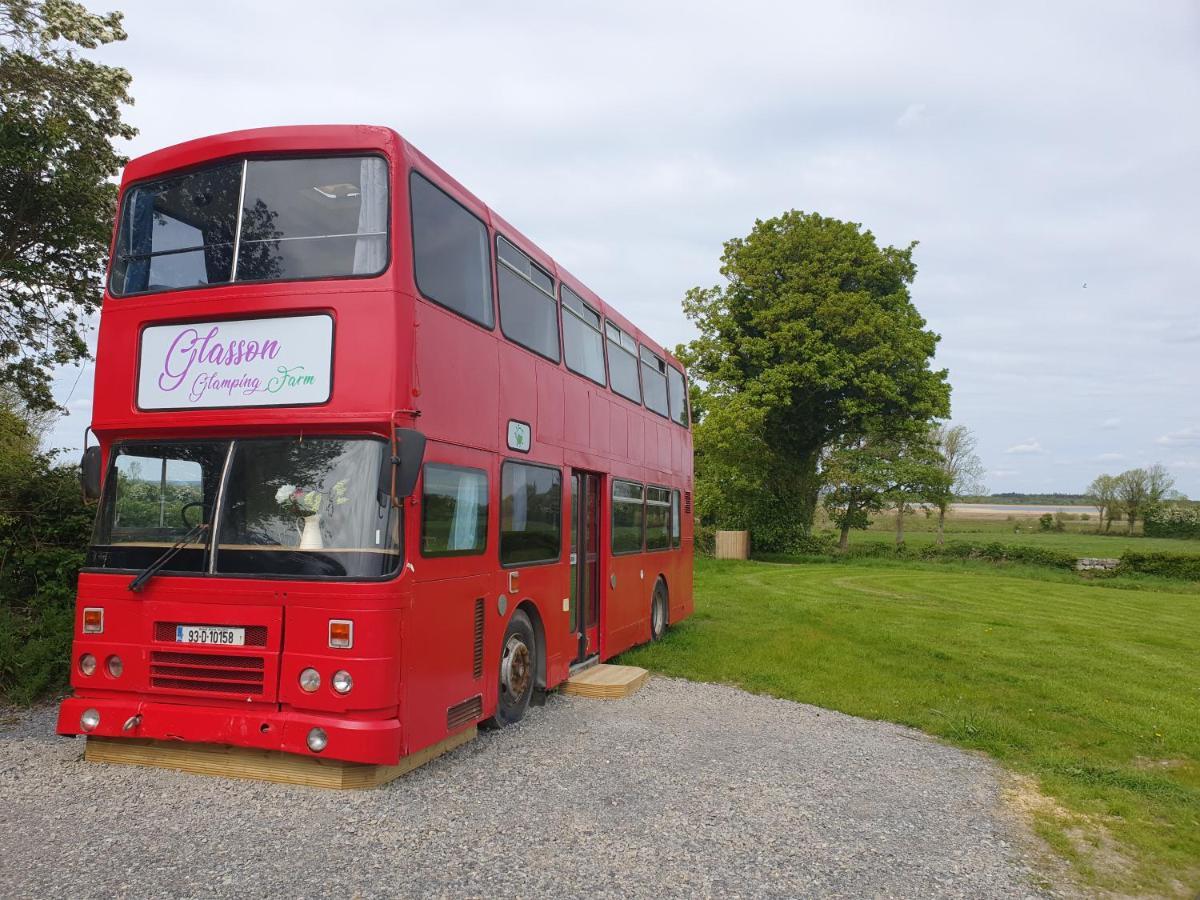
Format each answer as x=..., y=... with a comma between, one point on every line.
x=606, y=682
x=261, y=765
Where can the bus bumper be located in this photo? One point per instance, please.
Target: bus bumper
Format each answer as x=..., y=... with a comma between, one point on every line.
x=372, y=741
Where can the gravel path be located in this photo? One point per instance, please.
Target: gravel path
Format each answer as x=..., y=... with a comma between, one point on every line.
x=683, y=790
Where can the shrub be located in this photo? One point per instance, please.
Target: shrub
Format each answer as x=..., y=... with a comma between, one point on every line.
x=1166, y=565
x=1173, y=522
x=705, y=540
x=1046, y=522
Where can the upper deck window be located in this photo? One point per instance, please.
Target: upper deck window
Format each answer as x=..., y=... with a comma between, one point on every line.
x=654, y=381
x=528, y=313
x=583, y=342
x=254, y=220
x=678, y=395
x=622, y=363
x=450, y=253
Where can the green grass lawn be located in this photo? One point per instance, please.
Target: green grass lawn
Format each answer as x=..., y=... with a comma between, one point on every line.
x=1092, y=688
x=1080, y=537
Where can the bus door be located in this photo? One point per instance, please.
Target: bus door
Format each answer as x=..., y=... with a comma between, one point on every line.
x=585, y=562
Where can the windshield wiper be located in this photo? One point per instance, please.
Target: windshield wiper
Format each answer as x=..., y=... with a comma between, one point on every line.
x=151, y=570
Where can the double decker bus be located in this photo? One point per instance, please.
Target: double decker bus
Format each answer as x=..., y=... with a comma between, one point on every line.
x=371, y=467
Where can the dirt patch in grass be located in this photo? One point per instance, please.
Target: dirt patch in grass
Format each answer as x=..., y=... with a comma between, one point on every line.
x=1086, y=859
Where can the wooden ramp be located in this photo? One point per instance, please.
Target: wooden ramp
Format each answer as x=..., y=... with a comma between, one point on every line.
x=261, y=765
x=605, y=682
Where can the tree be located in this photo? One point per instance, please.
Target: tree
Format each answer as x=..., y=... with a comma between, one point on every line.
x=1104, y=494
x=812, y=340
x=962, y=471
x=59, y=115
x=1141, y=490
x=863, y=474
x=918, y=476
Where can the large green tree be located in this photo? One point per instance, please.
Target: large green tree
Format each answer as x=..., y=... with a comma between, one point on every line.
x=812, y=340
x=59, y=116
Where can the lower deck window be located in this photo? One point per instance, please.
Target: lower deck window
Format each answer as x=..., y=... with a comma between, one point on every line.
x=454, y=511
x=627, y=517
x=658, y=518
x=530, y=514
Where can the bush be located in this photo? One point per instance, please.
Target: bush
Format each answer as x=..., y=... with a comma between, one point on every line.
x=1173, y=522
x=705, y=540
x=1166, y=565
x=44, y=527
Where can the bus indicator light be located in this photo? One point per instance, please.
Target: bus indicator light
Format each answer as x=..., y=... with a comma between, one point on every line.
x=341, y=634
x=93, y=620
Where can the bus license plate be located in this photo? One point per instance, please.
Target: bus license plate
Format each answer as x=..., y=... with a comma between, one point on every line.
x=210, y=634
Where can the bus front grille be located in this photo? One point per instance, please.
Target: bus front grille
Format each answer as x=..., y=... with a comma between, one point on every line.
x=207, y=673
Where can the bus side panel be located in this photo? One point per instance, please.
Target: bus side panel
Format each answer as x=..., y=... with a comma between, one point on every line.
x=439, y=657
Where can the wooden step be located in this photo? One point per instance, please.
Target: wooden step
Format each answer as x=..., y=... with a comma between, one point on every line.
x=606, y=682
x=261, y=765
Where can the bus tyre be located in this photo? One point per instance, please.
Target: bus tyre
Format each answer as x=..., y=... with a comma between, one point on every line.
x=658, y=611
x=518, y=655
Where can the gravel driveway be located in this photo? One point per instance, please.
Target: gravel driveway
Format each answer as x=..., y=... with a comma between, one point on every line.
x=683, y=790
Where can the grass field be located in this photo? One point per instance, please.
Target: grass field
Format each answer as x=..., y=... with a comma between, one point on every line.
x=1080, y=536
x=1091, y=689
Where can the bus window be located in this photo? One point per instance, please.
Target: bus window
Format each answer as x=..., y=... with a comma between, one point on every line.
x=674, y=518
x=622, y=363
x=583, y=343
x=654, y=382
x=450, y=253
x=313, y=218
x=454, y=511
x=530, y=514
x=658, y=518
x=527, y=310
x=678, y=395
x=627, y=515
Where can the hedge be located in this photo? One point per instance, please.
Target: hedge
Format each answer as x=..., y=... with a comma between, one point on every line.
x=1167, y=565
x=1173, y=522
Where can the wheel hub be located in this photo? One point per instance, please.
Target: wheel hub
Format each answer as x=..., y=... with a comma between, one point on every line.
x=515, y=668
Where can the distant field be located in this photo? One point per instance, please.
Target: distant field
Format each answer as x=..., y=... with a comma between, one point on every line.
x=1009, y=528
x=1089, y=689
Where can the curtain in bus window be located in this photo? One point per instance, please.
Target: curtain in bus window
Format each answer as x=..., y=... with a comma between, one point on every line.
x=451, y=261
x=454, y=511
x=370, y=250
x=530, y=514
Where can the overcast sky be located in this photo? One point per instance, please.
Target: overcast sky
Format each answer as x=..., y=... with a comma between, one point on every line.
x=1045, y=155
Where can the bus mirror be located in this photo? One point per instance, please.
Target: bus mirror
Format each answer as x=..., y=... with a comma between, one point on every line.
x=89, y=473
x=409, y=451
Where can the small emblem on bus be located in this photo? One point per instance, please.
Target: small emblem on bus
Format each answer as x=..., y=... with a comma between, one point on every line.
x=518, y=436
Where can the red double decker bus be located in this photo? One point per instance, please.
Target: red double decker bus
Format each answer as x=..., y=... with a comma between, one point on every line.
x=374, y=468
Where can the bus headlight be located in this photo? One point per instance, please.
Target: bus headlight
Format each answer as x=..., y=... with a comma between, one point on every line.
x=87, y=664
x=342, y=682
x=317, y=740
x=114, y=666
x=89, y=720
x=310, y=680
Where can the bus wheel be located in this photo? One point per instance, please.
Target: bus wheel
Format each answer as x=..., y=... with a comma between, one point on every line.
x=517, y=661
x=658, y=611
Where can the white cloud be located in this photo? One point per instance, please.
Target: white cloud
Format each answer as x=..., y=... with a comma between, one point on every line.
x=914, y=114
x=1002, y=473
x=1029, y=445
x=1111, y=423
x=1184, y=437
x=1110, y=457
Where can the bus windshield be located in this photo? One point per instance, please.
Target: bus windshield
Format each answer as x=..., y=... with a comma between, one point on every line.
x=308, y=508
x=253, y=220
